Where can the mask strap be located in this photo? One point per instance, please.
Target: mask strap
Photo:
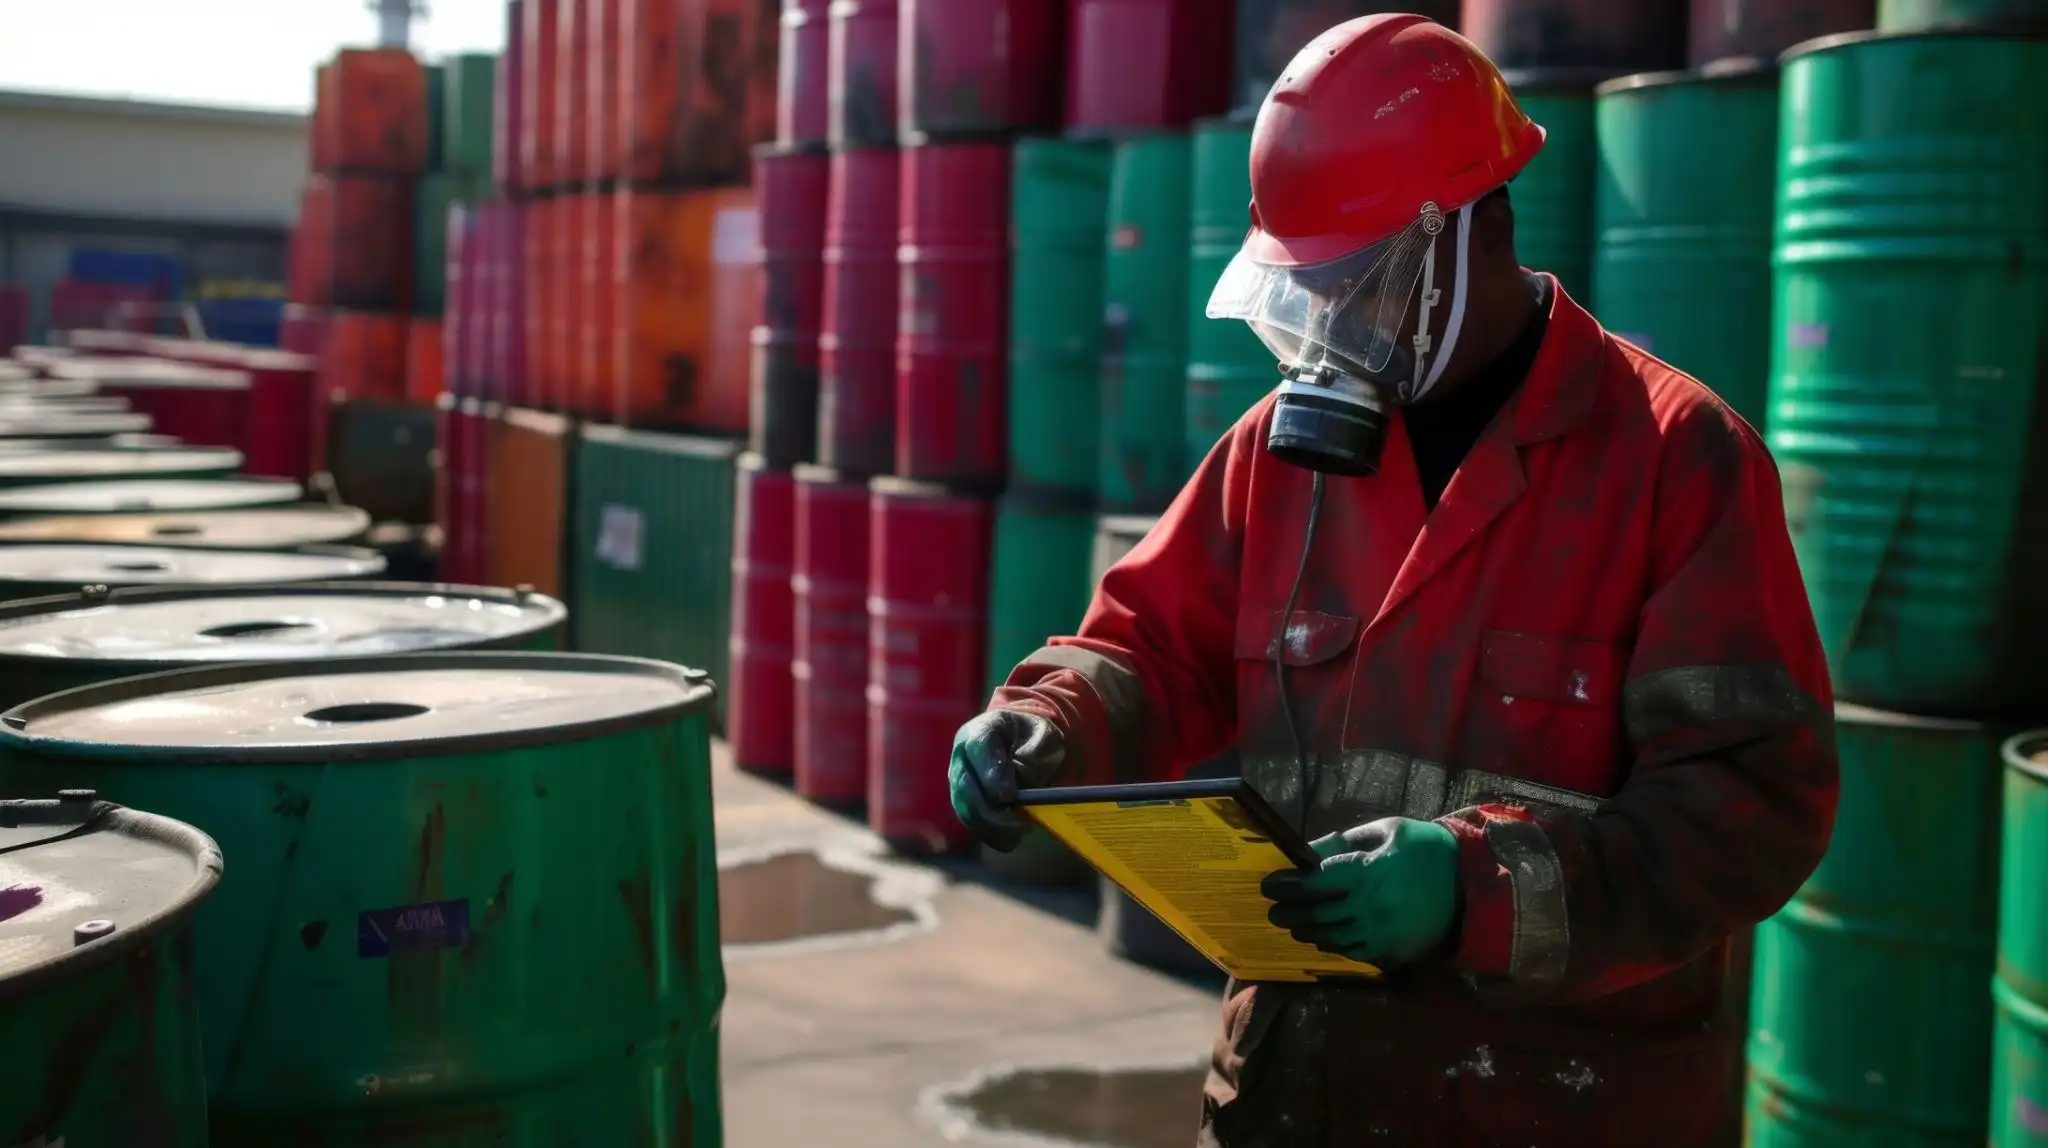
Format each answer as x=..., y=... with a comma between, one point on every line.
x=1435, y=361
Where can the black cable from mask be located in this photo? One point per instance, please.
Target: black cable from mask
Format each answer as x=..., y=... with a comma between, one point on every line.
x=1308, y=541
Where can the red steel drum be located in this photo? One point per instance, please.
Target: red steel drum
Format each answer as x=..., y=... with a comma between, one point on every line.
x=857, y=339
x=369, y=242
x=830, y=589
x=278, y=442
x=864, y=51
x=199, y=406
x=508, y=317
x=14, y=308
x=760, y=700
x=302, y=329
x=783, y=380
x=1644, y=36
x=540, y=59
x=572, y=109
x=927, y=631
x=599, y=349
x=980, y=67
x=571, y=305
x=508, y=104
x=601, y=90
x=803, y=91
x=310, y=270
x=538, y=218
x=1146, y=65
x=953, y=329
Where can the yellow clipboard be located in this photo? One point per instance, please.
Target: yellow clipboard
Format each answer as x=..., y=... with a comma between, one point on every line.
x=1193, y=854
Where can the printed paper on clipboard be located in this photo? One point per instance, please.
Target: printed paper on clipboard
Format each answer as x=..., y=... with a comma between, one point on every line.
x=1193, y=854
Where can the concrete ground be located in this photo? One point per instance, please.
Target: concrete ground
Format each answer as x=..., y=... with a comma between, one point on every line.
x=853, y=1043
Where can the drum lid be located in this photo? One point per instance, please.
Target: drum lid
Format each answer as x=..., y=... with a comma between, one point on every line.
x=44, y=424
x=192, y=624
x=413, y=706
x=282, y=528
x=86, y=564
x=145, y=496
x=87, y=464
x=82, y=880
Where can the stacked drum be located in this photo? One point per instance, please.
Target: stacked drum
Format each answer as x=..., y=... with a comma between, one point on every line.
x=282, y=845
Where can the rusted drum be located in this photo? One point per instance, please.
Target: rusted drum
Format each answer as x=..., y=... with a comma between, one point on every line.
x=281, y=528
x=41, y=569
x=1270, y=32
x=803, y=87
x=145, y=496
x=1732, y=29
x=928, y=565
x=474, y=900
x=829, y=591
x=687, y=306
x=783, y=385
x=1644, y=36
x=540, y=58
x=759, y=698
x=1145, y=65
x=863, y=87
x=99, y=1024
x=951, y=357
x=27, y=469
x=688, y=70
x=980, y=68
x=70, y=640
x=857, y=342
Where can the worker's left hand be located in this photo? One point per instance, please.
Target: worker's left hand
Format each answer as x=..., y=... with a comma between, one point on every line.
x=1387, y=892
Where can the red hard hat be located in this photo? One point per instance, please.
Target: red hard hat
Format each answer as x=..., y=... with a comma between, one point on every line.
x=1372, y=120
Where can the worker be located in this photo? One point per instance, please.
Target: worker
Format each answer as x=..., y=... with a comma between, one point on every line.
x=1500, y=610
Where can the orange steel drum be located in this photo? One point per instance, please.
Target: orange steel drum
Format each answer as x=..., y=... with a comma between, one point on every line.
x=601, y=90
x=572, y=124
x=312, y=251
x=364, y=356
x=369, y=241
x=537, y=130
x=689, y=70
x=423, y=363
x=688, y=301
x=528, y=477
x=599, y=349
x=374, y=111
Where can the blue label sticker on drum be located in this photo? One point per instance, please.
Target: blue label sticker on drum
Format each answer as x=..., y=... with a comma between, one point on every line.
x=410, y=928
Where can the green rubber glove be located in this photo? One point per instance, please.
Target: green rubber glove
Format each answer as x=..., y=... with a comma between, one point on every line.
x=1387, y=892
x=995, y=755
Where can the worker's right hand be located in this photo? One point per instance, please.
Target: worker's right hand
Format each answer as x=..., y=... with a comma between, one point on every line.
x=995, y=755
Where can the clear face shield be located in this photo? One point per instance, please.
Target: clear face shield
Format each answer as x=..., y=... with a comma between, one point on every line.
x=1344, y=336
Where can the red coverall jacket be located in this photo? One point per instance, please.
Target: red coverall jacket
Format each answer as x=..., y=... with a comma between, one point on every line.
x=1593, y=661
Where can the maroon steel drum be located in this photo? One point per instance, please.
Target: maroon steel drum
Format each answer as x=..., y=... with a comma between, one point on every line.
x=857, y=342
x=980, y=68
x=279, y=438
x=927, y=631
x=783, y=382
x=1761, y=29
x=864, y=51
x=1146, y=65
x=760, y=700
x=803, y=100
x=302, y=329
x=1644, y=36
x=950, y=343
x=202, y=406
x=829, y=587
x=508, y=319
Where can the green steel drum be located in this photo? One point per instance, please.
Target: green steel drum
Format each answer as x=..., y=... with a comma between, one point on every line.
x=474, y=895
x=1229, y=369
x=146, y=496
x=2019, y=1050
x=1144, y=324
x=467, y=108
x=279, y=528
x=1682, y=266
x=44, y=569
x=1553, y=197
x=1906, y=363
x=433, y=195
x=436, y=77
x=99, y=1024
x=651, y=574
x=1871, y=1025
x=56, y=643
x=1922, y=15
x=1039, y=582
x=1059, y=201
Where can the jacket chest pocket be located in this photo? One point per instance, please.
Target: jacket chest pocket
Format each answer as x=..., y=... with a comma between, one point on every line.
x=1312, y=645
x=1549, y=710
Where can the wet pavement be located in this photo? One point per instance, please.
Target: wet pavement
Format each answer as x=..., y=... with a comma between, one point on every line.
x=876, y=1002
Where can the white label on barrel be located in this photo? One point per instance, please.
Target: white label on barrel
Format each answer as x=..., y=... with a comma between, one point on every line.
x=736, y=236
x=619, y=531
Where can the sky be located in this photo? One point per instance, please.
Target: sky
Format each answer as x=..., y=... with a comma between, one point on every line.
x=235, y=53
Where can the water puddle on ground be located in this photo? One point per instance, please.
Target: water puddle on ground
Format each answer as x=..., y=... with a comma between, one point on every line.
x=1155, y=1107
x=797, y=896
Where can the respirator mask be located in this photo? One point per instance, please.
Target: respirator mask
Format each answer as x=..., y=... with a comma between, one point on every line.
x=1342, y=335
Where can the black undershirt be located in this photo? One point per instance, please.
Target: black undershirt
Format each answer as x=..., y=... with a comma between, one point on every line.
x=1441, y=431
